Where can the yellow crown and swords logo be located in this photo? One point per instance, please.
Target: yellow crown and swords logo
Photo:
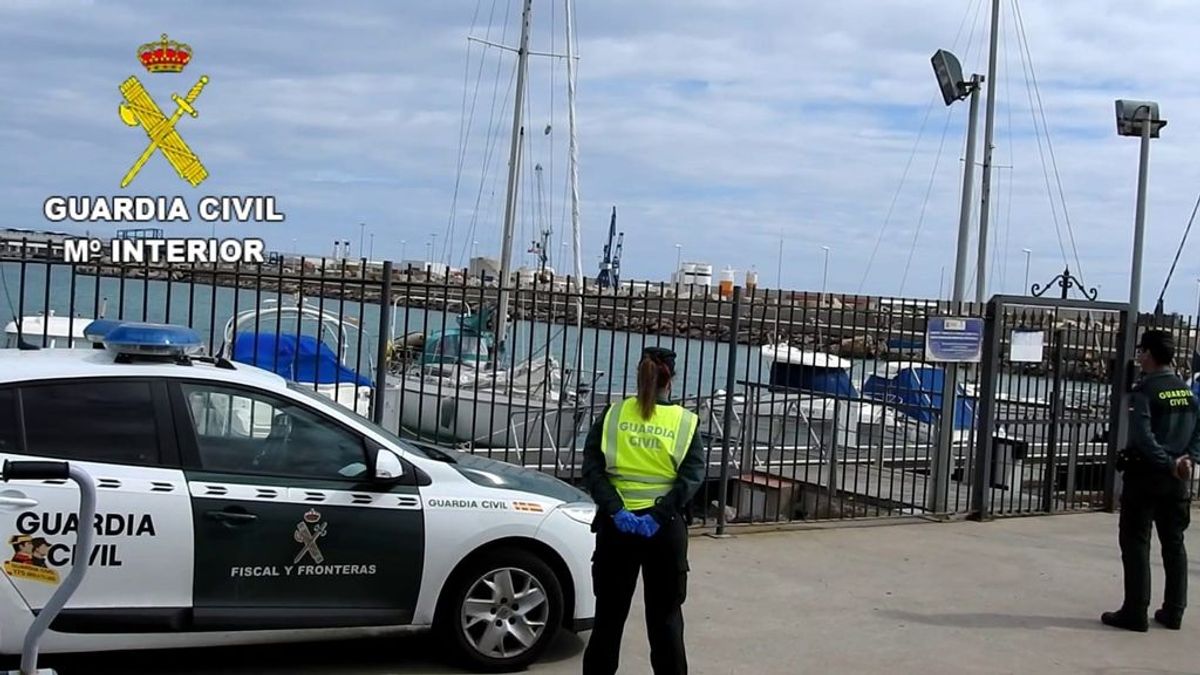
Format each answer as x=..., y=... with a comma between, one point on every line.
x=139, y=109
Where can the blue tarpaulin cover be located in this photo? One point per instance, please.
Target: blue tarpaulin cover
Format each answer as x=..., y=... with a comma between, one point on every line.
x=305, y=360
x=917, y=392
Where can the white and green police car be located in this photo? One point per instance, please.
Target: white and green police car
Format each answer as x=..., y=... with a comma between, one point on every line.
x=234, y=507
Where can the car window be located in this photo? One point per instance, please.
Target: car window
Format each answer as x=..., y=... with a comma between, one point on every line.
x=239, y=431
x=9, y=442
x=109, y=421
x=306, y=390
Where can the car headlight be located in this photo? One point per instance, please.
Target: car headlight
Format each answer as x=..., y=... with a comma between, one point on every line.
x=580, y=512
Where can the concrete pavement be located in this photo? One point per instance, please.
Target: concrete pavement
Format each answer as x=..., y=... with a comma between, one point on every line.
x=1012, y=596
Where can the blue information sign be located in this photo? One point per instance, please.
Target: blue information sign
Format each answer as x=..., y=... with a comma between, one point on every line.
x=954, y=339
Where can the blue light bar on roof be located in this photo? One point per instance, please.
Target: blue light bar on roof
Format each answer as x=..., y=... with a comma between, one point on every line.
x=152, y=339
x=98, y=329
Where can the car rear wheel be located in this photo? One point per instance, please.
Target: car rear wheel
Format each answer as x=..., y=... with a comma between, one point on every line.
x=502, y=610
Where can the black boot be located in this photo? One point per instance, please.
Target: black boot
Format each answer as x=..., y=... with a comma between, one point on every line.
x=1122, y=620
x=1168, y=619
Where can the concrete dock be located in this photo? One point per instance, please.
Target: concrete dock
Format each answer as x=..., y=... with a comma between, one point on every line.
x=1010, y=596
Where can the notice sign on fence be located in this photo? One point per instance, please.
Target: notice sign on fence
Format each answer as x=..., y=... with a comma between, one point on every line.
x=1027, y=346
x=954, y=339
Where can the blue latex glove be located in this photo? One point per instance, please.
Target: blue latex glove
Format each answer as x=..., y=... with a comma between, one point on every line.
x=627, y=523
x=647, y=526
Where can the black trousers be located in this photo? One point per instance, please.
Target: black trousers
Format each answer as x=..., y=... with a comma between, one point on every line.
x=662, y=561
x=1161, y=500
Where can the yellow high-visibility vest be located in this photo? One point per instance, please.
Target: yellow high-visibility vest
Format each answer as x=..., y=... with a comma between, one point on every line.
x=642, y=456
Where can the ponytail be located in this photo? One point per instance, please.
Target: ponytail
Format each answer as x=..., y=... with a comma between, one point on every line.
x=652, y=377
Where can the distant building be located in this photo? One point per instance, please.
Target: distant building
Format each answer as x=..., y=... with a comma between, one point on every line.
x=692, y=279
x=21, y=241
x=485, y=269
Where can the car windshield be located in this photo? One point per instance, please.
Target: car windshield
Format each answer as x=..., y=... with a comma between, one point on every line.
x=429, y=453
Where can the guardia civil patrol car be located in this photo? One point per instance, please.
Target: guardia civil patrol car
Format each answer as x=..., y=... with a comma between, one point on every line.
x=234, y=507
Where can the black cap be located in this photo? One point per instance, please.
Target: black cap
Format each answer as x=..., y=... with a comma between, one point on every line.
x=1160, y=344
x=661, y=355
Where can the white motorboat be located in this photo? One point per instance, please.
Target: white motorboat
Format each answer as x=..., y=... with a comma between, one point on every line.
x=47, y=330
x=306, y=345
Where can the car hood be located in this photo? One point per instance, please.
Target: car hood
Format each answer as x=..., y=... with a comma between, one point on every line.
x=504, y=476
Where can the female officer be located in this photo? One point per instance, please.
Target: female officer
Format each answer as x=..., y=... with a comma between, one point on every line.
x=643, y=462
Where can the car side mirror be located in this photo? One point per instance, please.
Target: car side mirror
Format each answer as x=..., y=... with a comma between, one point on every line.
x=388, y=467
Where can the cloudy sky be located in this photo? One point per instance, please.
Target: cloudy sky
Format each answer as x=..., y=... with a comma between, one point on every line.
x=725, y=126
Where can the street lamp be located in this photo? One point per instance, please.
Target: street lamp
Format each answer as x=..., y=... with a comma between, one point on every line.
x=779, y=269
x=825, y=273
x=950, y=80
x=362, y=228
x=1025, y=288
x=1138, y=118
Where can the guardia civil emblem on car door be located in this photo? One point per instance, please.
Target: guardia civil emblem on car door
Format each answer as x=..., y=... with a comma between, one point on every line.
x=307, y=537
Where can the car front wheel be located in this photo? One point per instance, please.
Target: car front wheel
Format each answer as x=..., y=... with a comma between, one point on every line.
x=502, y=610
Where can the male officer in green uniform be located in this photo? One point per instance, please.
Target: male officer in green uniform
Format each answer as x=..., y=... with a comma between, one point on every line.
x=1164, y=442
x=642, y=463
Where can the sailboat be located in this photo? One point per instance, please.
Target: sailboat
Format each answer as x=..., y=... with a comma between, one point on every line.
x=458, y=390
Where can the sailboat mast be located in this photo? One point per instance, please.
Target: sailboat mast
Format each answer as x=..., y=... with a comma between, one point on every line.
x=514, y=169
x=988, y=133
x=573, y=166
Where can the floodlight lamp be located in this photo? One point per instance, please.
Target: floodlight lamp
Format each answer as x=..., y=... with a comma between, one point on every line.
x=949, y=75
x=1132, y=114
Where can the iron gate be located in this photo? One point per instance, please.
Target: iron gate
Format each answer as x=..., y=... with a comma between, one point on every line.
x=1053, y=375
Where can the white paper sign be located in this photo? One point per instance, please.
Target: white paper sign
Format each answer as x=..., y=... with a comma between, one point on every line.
x=1027, y=346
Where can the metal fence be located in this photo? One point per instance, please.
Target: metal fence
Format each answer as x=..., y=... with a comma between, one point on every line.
x=812, y=406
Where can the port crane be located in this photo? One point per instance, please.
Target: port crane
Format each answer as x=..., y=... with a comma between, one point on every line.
x=610, y=264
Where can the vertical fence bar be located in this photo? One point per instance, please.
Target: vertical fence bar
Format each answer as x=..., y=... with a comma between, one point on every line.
x=385, y=329
x=1050, y=477
x=1122, y=370
x=992, y=332
x=730, y=378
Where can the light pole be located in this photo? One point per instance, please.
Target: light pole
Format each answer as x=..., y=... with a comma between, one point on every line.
x=362, y=228
x=403, y=249
x=1138, y=118
x=1027, y=252
x=954, y=88
x=825, y=272
x=432, y=244
x=779, y=269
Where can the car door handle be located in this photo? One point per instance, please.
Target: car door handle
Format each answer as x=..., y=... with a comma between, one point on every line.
x=21, y=502
x=231, y=517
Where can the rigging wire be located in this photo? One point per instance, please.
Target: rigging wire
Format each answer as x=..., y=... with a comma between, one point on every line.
x=928, y=191
x=1178, y=252
x=913, y=154
x=1049, y=143
x=1012, y=158
x=465, y=122
x=1038, y=137
x=553, y=84
x=493, y=134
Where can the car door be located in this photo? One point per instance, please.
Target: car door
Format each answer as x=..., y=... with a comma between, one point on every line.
x=290, y=530
x=119, y=431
